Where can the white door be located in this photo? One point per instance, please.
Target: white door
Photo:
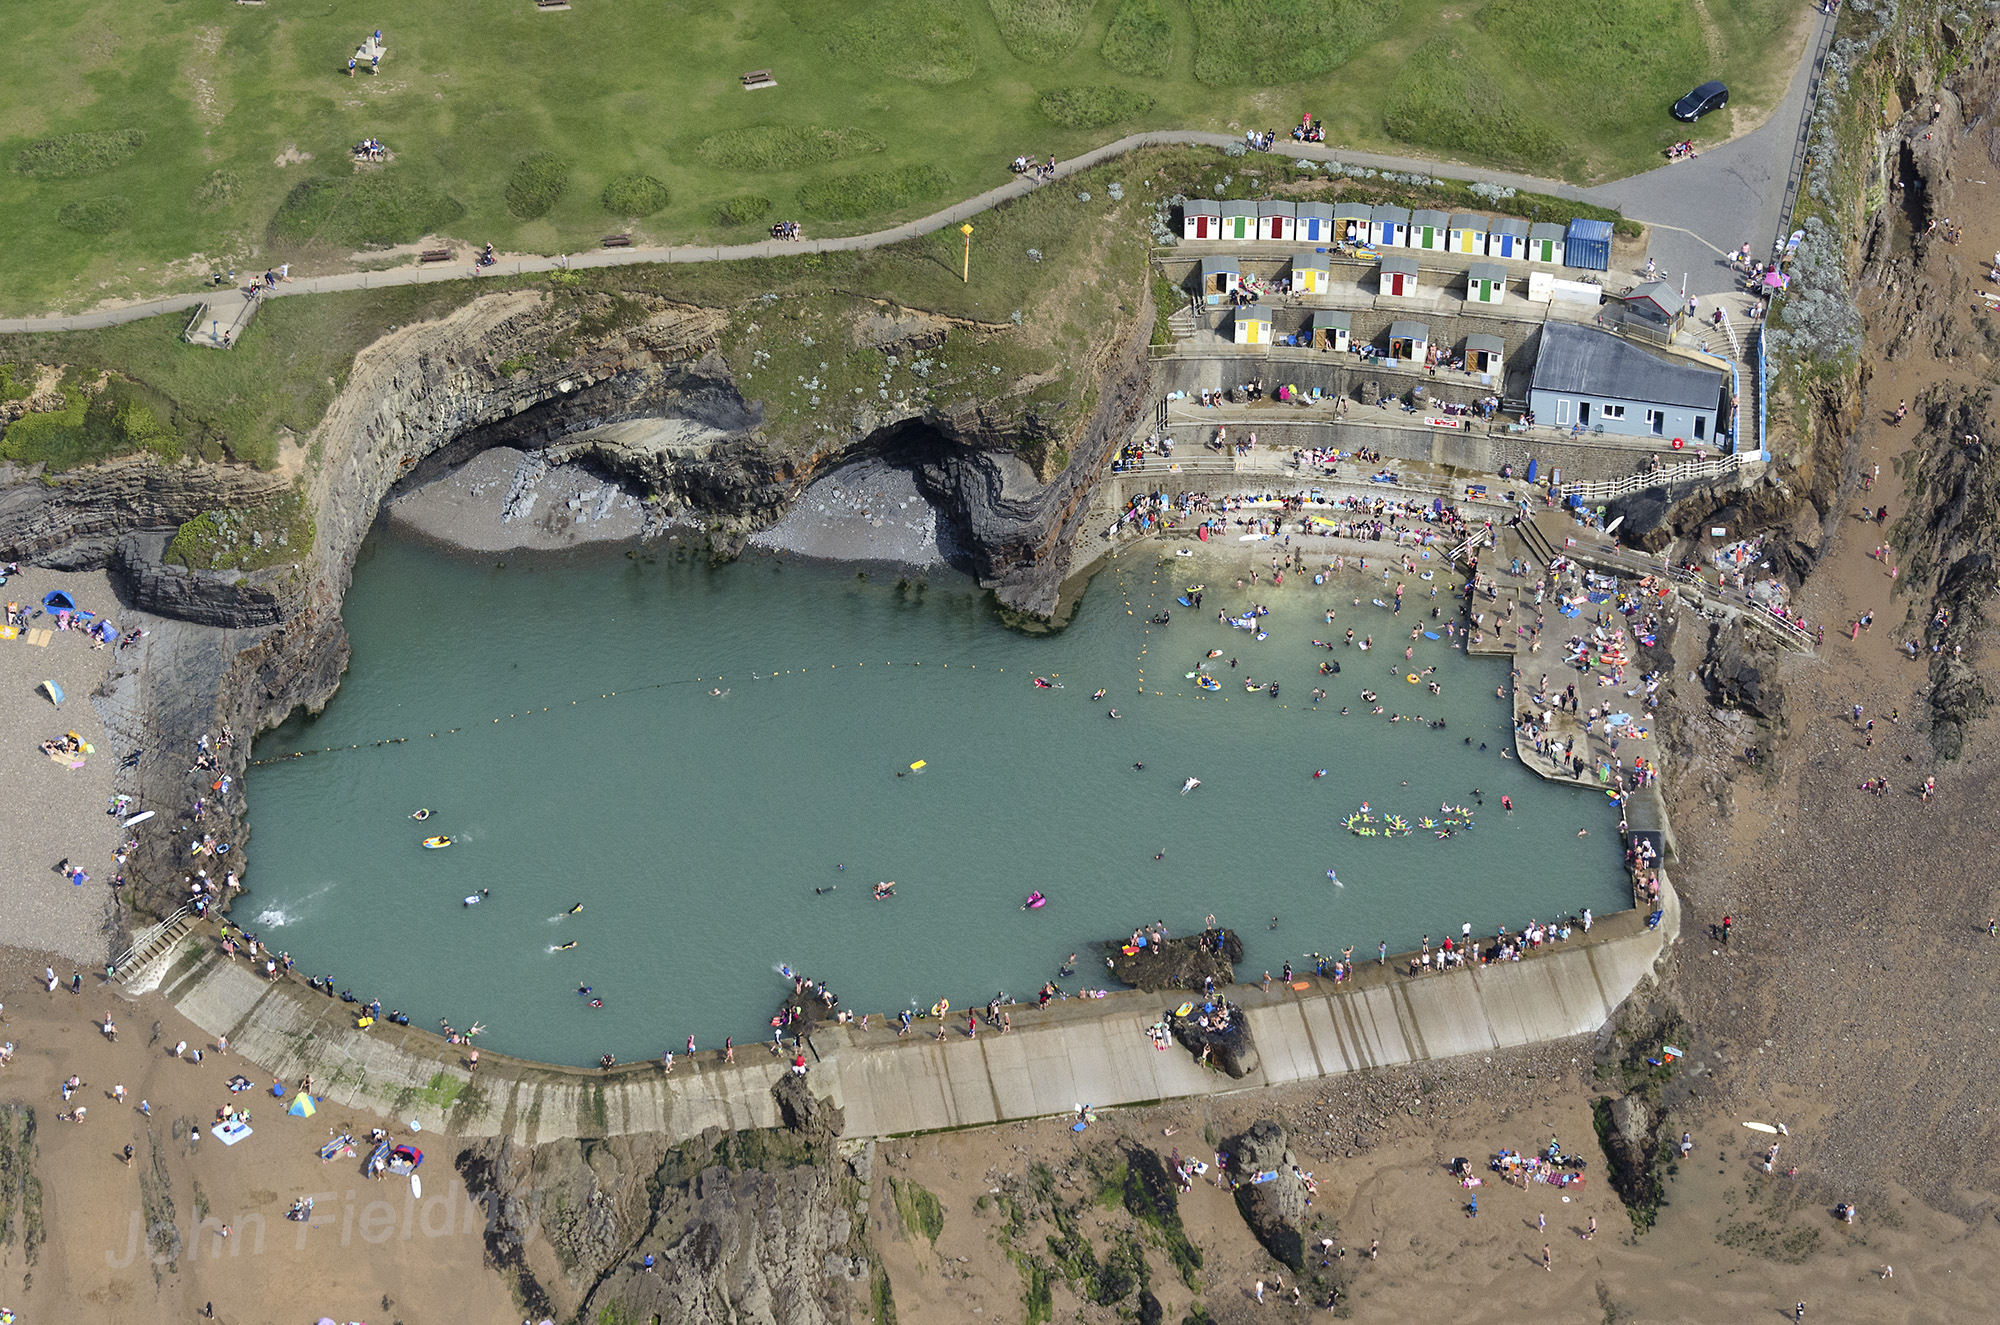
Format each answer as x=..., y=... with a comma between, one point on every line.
x=1562, y=411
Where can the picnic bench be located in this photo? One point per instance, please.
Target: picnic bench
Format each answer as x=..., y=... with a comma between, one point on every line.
x=434, y=255
x=618, y=241
x=757, y=78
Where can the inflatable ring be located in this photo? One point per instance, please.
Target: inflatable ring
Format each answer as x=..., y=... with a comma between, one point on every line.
x=1411, y=678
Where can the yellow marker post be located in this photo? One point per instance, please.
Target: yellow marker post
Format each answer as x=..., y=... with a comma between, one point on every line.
x=966, y=230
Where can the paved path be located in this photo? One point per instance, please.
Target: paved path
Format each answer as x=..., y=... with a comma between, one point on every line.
x=1700, y=209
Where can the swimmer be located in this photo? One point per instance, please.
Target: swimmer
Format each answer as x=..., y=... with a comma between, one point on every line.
x=1098, y=695
x=421, y=814
x=1138, y=768
x=564, y=947
x=1322, y=773
x=1159, y=855
x=1583, y=832
x=597, y=1002
x=574, y=909
x=583, y=989
x=1112, y=713
x=715, y=694
x=821, y=892
x=1507, y=804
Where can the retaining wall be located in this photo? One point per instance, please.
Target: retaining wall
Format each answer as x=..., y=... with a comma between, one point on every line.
x=1078, y=1051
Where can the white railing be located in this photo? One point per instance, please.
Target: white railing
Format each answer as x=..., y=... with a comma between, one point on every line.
x=145, y=939
x=1684, y=472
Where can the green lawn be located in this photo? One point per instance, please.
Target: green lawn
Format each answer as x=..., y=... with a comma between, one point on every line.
x=139, y=143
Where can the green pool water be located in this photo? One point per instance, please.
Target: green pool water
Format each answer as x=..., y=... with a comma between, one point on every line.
x=579, y=757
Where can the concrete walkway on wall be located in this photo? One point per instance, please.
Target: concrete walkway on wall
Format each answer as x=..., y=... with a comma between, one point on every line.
x=1076, y=1051
x=1699, y=209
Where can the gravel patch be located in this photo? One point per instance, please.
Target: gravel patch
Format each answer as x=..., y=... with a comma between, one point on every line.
x=870, y=511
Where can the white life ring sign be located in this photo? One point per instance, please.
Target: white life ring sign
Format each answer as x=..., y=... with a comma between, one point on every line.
x=1677, y=443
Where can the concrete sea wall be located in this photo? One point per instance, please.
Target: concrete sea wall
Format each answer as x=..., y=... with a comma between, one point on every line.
x=1077, y=1051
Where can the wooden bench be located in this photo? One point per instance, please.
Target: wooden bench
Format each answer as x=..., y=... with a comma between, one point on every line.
x=757, y=78
x=434, y=255
x=618, y=241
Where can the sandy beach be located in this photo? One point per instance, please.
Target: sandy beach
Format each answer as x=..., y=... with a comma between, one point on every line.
x=56, y=808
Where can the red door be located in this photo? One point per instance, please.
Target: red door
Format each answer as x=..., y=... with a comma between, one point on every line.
x=1201, y=228
x=1395, y=282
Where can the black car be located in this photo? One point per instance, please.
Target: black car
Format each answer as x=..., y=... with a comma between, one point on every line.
x=1707, y=97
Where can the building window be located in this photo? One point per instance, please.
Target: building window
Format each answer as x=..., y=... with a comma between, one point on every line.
x=1656, y=422
x=1614, y=411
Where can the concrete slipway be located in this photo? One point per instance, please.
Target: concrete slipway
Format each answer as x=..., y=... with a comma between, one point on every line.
x=1079, y=1051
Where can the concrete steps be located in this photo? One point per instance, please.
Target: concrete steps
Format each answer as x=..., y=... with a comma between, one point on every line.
x=152, y=949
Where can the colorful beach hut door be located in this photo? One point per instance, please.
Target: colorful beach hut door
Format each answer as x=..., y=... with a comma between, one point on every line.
x=1395, y=279
x=1201, y=226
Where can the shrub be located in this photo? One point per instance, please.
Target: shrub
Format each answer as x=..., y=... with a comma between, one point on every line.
x=1041, y=31
x=746, y=210
x=635, y=195
x=1442, y=99
x=1281, y=41
x=94, y=216
x=75, y=154
x=846, y=197
x=923, y=41
x=378, y=208
x=88, y=428
x=784, y=147
x=537, y=185
x=1093, y=107
x=1140, y=40
x=215, y=192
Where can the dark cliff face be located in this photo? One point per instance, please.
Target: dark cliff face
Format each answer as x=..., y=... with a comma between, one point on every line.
x=245, y=649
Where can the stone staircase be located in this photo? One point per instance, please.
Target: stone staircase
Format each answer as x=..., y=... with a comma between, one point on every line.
x=151, y=945
x=1182, y=323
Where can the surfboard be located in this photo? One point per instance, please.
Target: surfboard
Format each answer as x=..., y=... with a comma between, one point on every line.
x=141, y=817
x=1762, y=1127
x=417, y=1186
x=1430, y=634
x=1379, y=603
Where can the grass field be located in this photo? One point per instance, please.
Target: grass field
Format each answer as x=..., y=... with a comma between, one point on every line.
x=145, y=150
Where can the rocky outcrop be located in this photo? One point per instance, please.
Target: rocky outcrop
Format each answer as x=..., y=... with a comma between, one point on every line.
x=232, y=598
x=744, y=1227
x=1220, y=1037
x=1275, y=1207
x=1742, y=669
x=1183, y=963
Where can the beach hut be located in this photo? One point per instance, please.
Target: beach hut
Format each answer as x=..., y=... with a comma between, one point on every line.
x=1398, y=277
x=1409, y=342
x=1468, y=234
x=1315, y=223
x=1483, y=354
x=1430, y=230
x=1277, y=221
x=1220, y=276
x=1239, y=220
x=1389, y=227
x=1507, y=237
x=1353, y=221
x=1253, y=326
x=1311, y=274
x=1201, y=219
x=1545, y=242
x=1331, y=330
x=1485, y=283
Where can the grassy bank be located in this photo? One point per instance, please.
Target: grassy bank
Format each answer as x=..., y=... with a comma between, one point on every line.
x=205, y=135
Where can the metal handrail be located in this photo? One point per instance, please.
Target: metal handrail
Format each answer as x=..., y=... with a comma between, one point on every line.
x=139, y=944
